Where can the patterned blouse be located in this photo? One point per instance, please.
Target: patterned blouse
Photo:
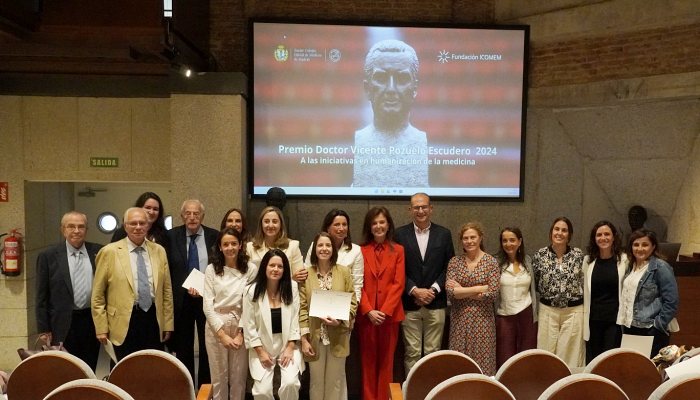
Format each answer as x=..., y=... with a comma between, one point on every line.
x=559, y=283
x=325, y=283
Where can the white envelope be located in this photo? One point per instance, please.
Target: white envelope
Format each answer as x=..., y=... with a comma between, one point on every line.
x=195, y=280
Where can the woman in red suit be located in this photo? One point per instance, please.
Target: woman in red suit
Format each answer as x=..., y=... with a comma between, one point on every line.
x=380, y=307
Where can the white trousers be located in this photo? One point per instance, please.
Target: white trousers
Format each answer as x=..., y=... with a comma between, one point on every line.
x=560, y=331
x=289, y=378
x=327, y=376
x=229, y=368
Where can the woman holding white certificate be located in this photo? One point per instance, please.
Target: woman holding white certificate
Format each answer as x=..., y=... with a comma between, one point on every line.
x=325, y=341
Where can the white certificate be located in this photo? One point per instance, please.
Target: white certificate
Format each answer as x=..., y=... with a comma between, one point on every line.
x=330, y=303
x=689, y=366
x=640, y=343
x=196, y=281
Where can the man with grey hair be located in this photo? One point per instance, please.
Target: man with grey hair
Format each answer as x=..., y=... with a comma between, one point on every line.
x=390, y=152
x=64, y=275
x=189, y=247
x=132, y=297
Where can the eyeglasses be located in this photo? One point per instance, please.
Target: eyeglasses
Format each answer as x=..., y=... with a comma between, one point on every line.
x=192, y=214
x=420, y=208
x=134, y=224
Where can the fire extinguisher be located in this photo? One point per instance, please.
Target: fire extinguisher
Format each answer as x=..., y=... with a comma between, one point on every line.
x=11, y=255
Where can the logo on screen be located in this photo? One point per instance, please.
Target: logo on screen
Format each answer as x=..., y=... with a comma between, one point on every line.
x=334, y=55
x=281, y=53
x=444, y=56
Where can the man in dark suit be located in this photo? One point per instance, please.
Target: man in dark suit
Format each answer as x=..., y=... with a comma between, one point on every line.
x=428, y=249
x=183, y=257
x=63, y=290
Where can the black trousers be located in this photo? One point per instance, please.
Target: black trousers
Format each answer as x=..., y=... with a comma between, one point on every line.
x=604, y=335
x=143, y=333
x=81, y=340
x=190, y=316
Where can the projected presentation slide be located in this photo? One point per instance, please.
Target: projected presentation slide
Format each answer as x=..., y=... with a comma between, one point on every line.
x=374, y=111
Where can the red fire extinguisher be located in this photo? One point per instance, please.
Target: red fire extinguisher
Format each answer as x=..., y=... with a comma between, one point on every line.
x=11, y=255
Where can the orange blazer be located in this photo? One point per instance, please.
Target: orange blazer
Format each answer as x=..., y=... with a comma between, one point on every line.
x=384, y=282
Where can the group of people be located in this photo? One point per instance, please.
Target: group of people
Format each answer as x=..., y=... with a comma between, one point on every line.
x=253, y=317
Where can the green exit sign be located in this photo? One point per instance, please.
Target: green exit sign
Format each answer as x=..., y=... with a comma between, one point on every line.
x=104, y=162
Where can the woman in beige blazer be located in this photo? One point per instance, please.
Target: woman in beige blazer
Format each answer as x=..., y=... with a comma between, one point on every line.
x=325, y=342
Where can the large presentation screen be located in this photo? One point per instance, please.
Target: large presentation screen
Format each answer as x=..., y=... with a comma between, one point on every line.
x=387, y=111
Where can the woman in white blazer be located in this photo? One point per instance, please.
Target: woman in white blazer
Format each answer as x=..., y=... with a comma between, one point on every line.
x=271, y=328
x=603, y=270
x=272, y=234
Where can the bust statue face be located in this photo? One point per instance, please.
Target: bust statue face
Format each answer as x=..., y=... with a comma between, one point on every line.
x=391, y=86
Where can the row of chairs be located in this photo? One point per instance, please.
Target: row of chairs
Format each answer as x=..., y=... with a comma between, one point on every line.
x=537, y=374
x=143, y=375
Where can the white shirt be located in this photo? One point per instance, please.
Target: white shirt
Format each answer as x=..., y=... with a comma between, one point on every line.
x=422, y=236
x=225, y=291
x=514, y=291
x=625, y=313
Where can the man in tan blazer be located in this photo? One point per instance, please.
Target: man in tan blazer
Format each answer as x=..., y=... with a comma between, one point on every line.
x=132, y=298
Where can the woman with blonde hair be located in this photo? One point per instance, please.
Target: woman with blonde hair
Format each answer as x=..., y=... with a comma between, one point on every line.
x=272, y=234
x=472, y=286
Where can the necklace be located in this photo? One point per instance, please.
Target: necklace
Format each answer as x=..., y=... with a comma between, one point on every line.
x=276, y=297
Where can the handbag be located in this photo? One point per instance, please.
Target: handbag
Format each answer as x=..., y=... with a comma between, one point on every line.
x=26, y=353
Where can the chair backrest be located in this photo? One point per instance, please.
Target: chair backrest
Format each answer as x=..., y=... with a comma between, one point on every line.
x=583, y=386
x=631, y=370
x=153, y=374
x=681, y=387
x=471, y=386
x=38, y=375
x=92, y=389
x=528, y=373
x=435, y=368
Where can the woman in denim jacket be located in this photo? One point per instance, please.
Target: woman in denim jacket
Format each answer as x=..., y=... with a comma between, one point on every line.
x=649, y=296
